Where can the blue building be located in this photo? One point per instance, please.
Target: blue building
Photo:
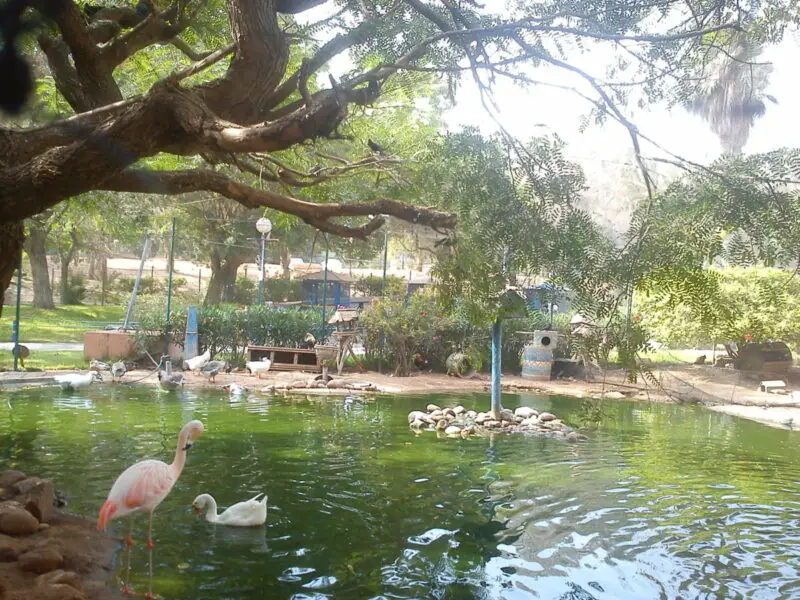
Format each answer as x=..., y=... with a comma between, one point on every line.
x=313, y=291
x=542, y=295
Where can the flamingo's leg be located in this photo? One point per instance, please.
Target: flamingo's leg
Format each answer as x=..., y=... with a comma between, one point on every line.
x=150, y=545
x=128, y=543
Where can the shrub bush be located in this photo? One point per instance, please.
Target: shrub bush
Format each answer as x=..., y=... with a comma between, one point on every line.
x=283, y=290
x=75, y=291
x=227, y=329
x=371, y=286
x=244, y=291
x=406, y=328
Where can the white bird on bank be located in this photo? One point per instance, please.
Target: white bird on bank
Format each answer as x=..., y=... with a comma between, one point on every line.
x=257, y=367
x=243, y=514
x=99, y=365
x=74, y=381
x=198, y=362
x=235, y=389
x=118, y=370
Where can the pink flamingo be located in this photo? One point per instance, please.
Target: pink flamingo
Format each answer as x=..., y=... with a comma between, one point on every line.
x=144, y=486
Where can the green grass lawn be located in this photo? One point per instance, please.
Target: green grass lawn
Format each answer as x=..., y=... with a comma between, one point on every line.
x=46, y=361
x=61, y=324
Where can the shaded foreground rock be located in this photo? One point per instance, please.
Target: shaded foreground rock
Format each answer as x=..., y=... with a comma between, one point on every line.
x=46, y=554
x=459, y=422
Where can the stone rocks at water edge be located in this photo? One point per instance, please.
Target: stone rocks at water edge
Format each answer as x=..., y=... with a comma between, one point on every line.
x=459, y=422
x=525, y=412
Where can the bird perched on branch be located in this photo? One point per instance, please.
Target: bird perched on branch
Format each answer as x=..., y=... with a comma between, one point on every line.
x=375, y=147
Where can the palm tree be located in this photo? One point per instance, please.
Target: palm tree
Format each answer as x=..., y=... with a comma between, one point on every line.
x=733, y=94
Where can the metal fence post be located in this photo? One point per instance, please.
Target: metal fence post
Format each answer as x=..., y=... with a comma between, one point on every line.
x=15, y=328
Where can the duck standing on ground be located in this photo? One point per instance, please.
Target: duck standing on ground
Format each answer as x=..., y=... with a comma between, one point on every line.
x=170, y=382
x=213, y=368
x=144, y=486
x=21, y=352
x=198, y=362
x=99, y=365
x=75, y=381
x=118, y=370
x=257, y=367
x=243, y=514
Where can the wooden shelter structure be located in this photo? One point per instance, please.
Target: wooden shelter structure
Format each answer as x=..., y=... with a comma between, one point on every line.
x=347, y=332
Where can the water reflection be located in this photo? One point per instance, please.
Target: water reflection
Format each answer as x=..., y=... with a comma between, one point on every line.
x=662, y=502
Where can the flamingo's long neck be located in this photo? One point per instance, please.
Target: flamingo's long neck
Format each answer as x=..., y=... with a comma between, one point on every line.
x=211, y=510
x=180, y=455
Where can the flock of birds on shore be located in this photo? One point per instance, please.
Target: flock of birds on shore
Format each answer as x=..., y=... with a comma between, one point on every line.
x=169, y=381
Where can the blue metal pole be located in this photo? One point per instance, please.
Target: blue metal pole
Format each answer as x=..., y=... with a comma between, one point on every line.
x=497, y=344
x=385, y=260
x=169, y=285
x=324, y=290
x=261, y=281
x=15, y=326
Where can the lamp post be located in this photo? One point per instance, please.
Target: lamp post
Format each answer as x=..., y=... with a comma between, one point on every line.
x=264, y=227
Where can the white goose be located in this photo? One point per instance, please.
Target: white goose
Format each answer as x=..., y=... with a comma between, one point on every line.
x=258, y=367
x=243, y=514
x=74, y=381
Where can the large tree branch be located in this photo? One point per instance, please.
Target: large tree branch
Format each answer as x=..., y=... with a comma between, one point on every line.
x=96, y=79
x=332, y=48
x=262, y=55
x=64, y=74
x=317, y=215
x=155, y=28
x=21, y=145
x=293, y=7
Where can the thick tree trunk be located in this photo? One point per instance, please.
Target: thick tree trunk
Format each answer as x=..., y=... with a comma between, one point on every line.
x=37, y=253
x=223, y=280
x=12, y=234
x=285, y=260
x=66, y=259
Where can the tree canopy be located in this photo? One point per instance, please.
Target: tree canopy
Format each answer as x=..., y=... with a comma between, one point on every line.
x=199, y=96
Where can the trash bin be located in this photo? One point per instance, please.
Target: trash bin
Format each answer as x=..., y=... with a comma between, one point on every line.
x=537, y=357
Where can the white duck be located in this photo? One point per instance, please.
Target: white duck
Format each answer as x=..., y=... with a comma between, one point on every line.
x=257, y=367
x=198, y=362
x=243, y=514
x=74, y=381
x=235, y=389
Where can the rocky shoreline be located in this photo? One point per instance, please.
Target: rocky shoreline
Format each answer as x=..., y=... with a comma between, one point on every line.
x=459, y=422
x=45, y=553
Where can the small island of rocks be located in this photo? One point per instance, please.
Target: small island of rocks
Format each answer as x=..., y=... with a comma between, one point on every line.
x=460, y=422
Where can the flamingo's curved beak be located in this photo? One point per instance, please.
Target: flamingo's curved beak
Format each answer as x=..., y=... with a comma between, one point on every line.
x=196, y=508
x=188, y=446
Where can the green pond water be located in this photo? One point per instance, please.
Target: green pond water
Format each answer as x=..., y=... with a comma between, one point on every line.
x=662, y=502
